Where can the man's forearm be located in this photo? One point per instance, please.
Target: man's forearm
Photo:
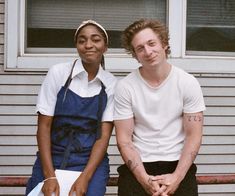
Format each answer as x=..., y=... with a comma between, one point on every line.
x=133, y=161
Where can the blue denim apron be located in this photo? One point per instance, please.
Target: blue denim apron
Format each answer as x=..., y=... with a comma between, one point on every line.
x=75, y=129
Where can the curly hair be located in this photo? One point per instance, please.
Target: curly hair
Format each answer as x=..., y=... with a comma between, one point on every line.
x=159, y=28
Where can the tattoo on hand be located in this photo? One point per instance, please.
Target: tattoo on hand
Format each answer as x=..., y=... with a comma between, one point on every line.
x=132, y=165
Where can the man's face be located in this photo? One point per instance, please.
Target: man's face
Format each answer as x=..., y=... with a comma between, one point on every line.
x=148, y=48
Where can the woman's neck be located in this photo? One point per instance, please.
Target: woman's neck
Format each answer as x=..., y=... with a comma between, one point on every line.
x=91, y=69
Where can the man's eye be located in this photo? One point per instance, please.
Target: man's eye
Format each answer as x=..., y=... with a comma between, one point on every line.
x=139, y=49
x=152, y=43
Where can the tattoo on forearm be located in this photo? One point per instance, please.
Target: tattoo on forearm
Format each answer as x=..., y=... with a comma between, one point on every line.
x=195, y=118
x=132, y=165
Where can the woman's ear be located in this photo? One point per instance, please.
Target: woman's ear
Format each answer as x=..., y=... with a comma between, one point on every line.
x=105, y=48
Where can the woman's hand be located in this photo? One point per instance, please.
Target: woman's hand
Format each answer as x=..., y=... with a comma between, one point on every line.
x=80, y=186
x=51, y=186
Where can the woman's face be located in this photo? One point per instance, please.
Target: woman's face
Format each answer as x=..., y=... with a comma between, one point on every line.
x=90, y=45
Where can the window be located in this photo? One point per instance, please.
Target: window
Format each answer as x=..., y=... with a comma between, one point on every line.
x=39, y=34
x=210, y=27
x=52, y=23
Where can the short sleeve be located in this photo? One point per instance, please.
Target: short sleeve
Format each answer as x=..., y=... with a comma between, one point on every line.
x=122, y=102
x=193, y=97
x=47, y=96
x=109, y=110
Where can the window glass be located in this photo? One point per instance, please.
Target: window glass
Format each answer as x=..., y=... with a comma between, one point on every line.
x=210, y=27
x=51, y=23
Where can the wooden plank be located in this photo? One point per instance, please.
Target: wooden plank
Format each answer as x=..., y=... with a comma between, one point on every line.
x=219, y=120
x=215, y=159
x=218, y=140
x=18, y=130
x=220, y=111
x=21, y=79
x=111, y=190
x=31, y=129
x=17, y=160
x=19, y=89
x=216, y=149
x=29, y=160
x=113, y=150
x=217, y=82
x=114, y=160
x=16, y=170
x=220, y=101
x=216, y=91
x=2, y=8
x=1, y=16
x=218, y=188
x=1, y=56
x=13, y=191
x=17, y=110
x=18, y=100
x=202, y=169
x=1, y=39
x=18, y=140
x=218, y=130
x=18, y=150
x=215, y=169
x=1, y=49
x=18, y=120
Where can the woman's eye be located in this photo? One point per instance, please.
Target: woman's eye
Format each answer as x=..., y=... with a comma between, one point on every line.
x=96, y=40
x=80, y=41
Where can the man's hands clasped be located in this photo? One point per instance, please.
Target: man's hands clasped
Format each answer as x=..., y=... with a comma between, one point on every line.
x=162, y=185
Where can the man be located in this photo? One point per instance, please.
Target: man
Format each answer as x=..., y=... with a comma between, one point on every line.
x=158, y=118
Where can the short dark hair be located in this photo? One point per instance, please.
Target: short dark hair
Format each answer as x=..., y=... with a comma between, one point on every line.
x=159, y=28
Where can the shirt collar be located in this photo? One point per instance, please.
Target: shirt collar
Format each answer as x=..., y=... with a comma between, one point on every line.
x=79, y=70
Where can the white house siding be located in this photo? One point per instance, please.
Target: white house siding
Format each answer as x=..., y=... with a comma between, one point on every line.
x=18, y=92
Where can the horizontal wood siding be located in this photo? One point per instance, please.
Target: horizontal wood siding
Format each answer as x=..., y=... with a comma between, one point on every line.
x=18, y=94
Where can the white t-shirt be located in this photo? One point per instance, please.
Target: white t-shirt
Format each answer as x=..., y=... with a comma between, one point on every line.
x=157, y=112
x=56, y=78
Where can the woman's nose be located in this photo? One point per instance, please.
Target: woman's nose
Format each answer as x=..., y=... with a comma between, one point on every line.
x=88, y=43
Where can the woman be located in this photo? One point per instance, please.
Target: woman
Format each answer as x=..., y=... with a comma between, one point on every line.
x=75, y=114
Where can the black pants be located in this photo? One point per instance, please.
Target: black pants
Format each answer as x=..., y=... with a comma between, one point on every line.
x=129, y=186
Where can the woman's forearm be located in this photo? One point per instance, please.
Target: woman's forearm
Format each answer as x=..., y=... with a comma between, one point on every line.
x=44, y=144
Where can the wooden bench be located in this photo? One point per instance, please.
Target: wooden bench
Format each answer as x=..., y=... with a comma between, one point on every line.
x=21, y=181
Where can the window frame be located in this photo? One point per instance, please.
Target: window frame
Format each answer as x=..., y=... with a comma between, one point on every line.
x=15, y=59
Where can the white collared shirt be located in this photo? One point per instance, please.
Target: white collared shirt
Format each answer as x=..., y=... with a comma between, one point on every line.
x=56, y=78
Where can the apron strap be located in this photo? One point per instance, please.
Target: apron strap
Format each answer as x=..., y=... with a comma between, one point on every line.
x=100, y=110
x=69, y=79
x=67, y=151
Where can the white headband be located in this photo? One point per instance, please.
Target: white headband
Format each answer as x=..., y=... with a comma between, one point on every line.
x=91, y=22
